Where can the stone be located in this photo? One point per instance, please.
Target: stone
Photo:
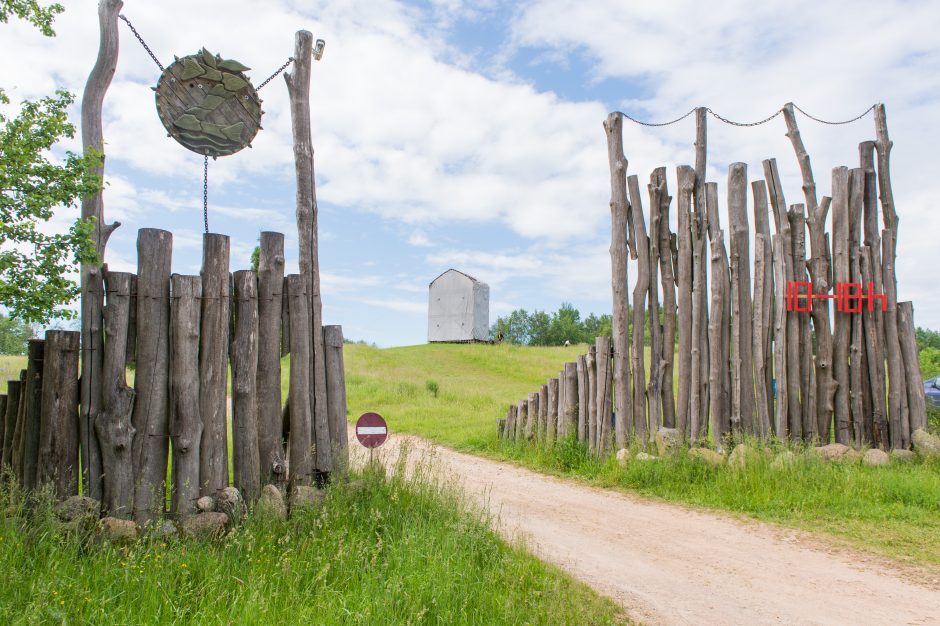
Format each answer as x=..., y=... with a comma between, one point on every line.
x=229, y=501
x=205, y=504
x=306, y=499
x=667, y=439
x=876, y=457
x=903, y=456
x=832, y=452
x=784, y=460
x=209, y=525
x=709, y=456
x=852, y=456
x=271, y=503
x=925, y=444
x=643, y=456
x=623, y=456
x=77, y=507
x=117, y=531
x=166, y=530
x=738, y=457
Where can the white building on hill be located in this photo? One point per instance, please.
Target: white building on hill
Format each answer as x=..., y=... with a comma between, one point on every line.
x=458, y=308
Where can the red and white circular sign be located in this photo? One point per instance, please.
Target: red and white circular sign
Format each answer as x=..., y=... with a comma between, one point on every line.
x=371, y=430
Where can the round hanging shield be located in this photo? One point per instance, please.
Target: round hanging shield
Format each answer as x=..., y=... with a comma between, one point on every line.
x=208, y=104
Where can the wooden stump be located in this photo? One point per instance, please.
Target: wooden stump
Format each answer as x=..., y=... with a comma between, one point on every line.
x=32, y=411
x=9, y=432
x=185, y=420
x=301, y=462
x=551, y=410
x=582, y=398
x=542, y=428
x=336, y=396
x=570, y=410
x=591, y=364
x=270, y=300
x=532, y=416
x=246, y=463
x=604, y=399
x=58, y=430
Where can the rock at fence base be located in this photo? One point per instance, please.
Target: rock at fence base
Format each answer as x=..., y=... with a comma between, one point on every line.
x=902, y=455
x=643, y=456
x=117, y=531
x=852, y=456
x=304, y=499
x=667, y=439
x=229, y=501
x=78, y=507
x=709, y=456
x=271, y=503
x=623, y=456
x=205, y=525
x=784, y=459
x=166, y=530
x=832, y=452
x=876, y=457
x=738, y=457
x=925, y=444
x=205, y=504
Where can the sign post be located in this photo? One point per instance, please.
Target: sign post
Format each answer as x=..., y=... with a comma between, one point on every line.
x=371, y=431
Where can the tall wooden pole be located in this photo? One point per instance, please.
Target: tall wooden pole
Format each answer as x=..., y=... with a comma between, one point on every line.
x=842, y=326
x=741, y=316
x=655, y=389
x=640, y=291
x=667, y=243
x=619, y=213
x=93, y=208
x=300, y=469
x=270, y=300
x=246, y=464
x=698, y=398
x=185, y=420
x=686, y=181
x=58, y=434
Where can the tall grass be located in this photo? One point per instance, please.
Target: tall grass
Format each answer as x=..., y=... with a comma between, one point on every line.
x=399, y=551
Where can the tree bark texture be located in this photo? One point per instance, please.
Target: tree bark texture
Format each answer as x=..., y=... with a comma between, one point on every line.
x=876, y=359
x=591, y=364
x=31, y=408
x=570, y=421
x=718, y=364
x=763, y=323
x=185, y=420
x=270, y=301
x=543, y=434
x=58, y=432
x=915, y=381
x=640, y=291
x=842, y=326
x=246, y=462
x=301, y=462
x=12, y=454
x=666, y=239
x=781, y=413
x=655, y=388
x=896, y=383
x=686, y=182
x=582, y=398
x=532, y=416
x=604, y=399
x=741, y=315
x=698, y=398
x=808, y=426
x=336, y=395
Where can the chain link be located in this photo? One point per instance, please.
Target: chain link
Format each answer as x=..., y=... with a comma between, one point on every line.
x=641, y=123
x=205, y=192
x=758, y=123
x=733, y=123
x=274, y=75
x=854, y=119
x=142, y=42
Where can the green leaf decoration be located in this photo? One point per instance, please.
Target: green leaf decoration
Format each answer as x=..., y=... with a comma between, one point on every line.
x=232, y=82
x=208, y=58
x=191, y=69
x=212, y=74
x=214, y=130
x=221, y=91
x=212, y=102
x=234, y=132
x=198, y=112
x=232, y=66
x=187, y=121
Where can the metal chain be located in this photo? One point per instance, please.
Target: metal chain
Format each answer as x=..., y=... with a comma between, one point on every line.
x=641, y=123
x=727, y=121
x=205, y=192
x=274, y=75
x=854, y=119
x=142, y=42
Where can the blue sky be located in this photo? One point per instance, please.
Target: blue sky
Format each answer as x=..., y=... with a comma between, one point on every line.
x=468, y=134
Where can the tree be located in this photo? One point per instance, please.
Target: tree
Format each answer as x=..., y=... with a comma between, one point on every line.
x=35, y=266
x=13, y=335
x=927, y=338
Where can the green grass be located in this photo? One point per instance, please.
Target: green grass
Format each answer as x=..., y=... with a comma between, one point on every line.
x=893, y=510
x=399, y=551
x=10, y=366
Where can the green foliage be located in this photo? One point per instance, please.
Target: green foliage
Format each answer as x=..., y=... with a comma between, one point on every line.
x=549, y=329
x=432, y=387
x=929, y=362
x=32, y=12
x=255, y=258
x=927, y=338
x=35, y=265
x=400, y=550
x=13, y=335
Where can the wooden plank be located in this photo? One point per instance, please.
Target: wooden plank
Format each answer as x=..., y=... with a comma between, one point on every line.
x=913, y=376
x=336, y=396
x=246, y=462
x=151, y=381
x=620, y=210
x=270, y=304
x=556, y=421
x=58, y=431
x=213, y=361
x=185, y=420
x=640, y=291
x=114, y=424
x=686, y=178
x=4, y=432
x=301, y=461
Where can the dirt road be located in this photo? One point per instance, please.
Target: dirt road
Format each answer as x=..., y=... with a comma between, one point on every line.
x=669, y=565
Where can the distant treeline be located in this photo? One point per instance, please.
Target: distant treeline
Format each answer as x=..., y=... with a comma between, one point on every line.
x=541, y=328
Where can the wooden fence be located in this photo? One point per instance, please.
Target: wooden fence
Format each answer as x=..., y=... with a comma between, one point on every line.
x=182, y=333
x=760, y=349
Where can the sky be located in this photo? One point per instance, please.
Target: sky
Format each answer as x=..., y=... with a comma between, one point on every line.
x=468, y=135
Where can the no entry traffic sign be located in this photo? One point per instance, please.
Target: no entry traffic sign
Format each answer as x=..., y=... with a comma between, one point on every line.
x=371, y=430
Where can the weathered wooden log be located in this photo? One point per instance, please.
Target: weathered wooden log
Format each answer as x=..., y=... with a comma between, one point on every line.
x=654, y=390
x=913, y=376
x=640, y=290
x=842, y=324
x=718, y=409
x=557, y=423
x=509, y=428
x=12, y=453
x=130, y=357
x=781, y=220
x=872, y=243
x=809, y=423
x=522, y=409
x=336, y=397
x=58, y=431
x=246, y=462
x=298, y=89
x=698, y=399
x=742, y=365
x=686, y=177
x=31, y=407
x=590, y=361
x=3, y=430
x=604, y=399
x=857, y=339
x=151, y=382
x=781, y=413
x=301, y=461
x=285, y=320
x=762, y=417
x=92, y=300
x=542, y=434
x=620, y=211
x=896, y=383
x=876, y=358
x=551, y=410
x=532, y=416
x=570, y=420
x=669, y=309
x=582, y=398
x=185, y=421
x=213, y=363
x=114, y=424
x=763, y=324
x=270, y=304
